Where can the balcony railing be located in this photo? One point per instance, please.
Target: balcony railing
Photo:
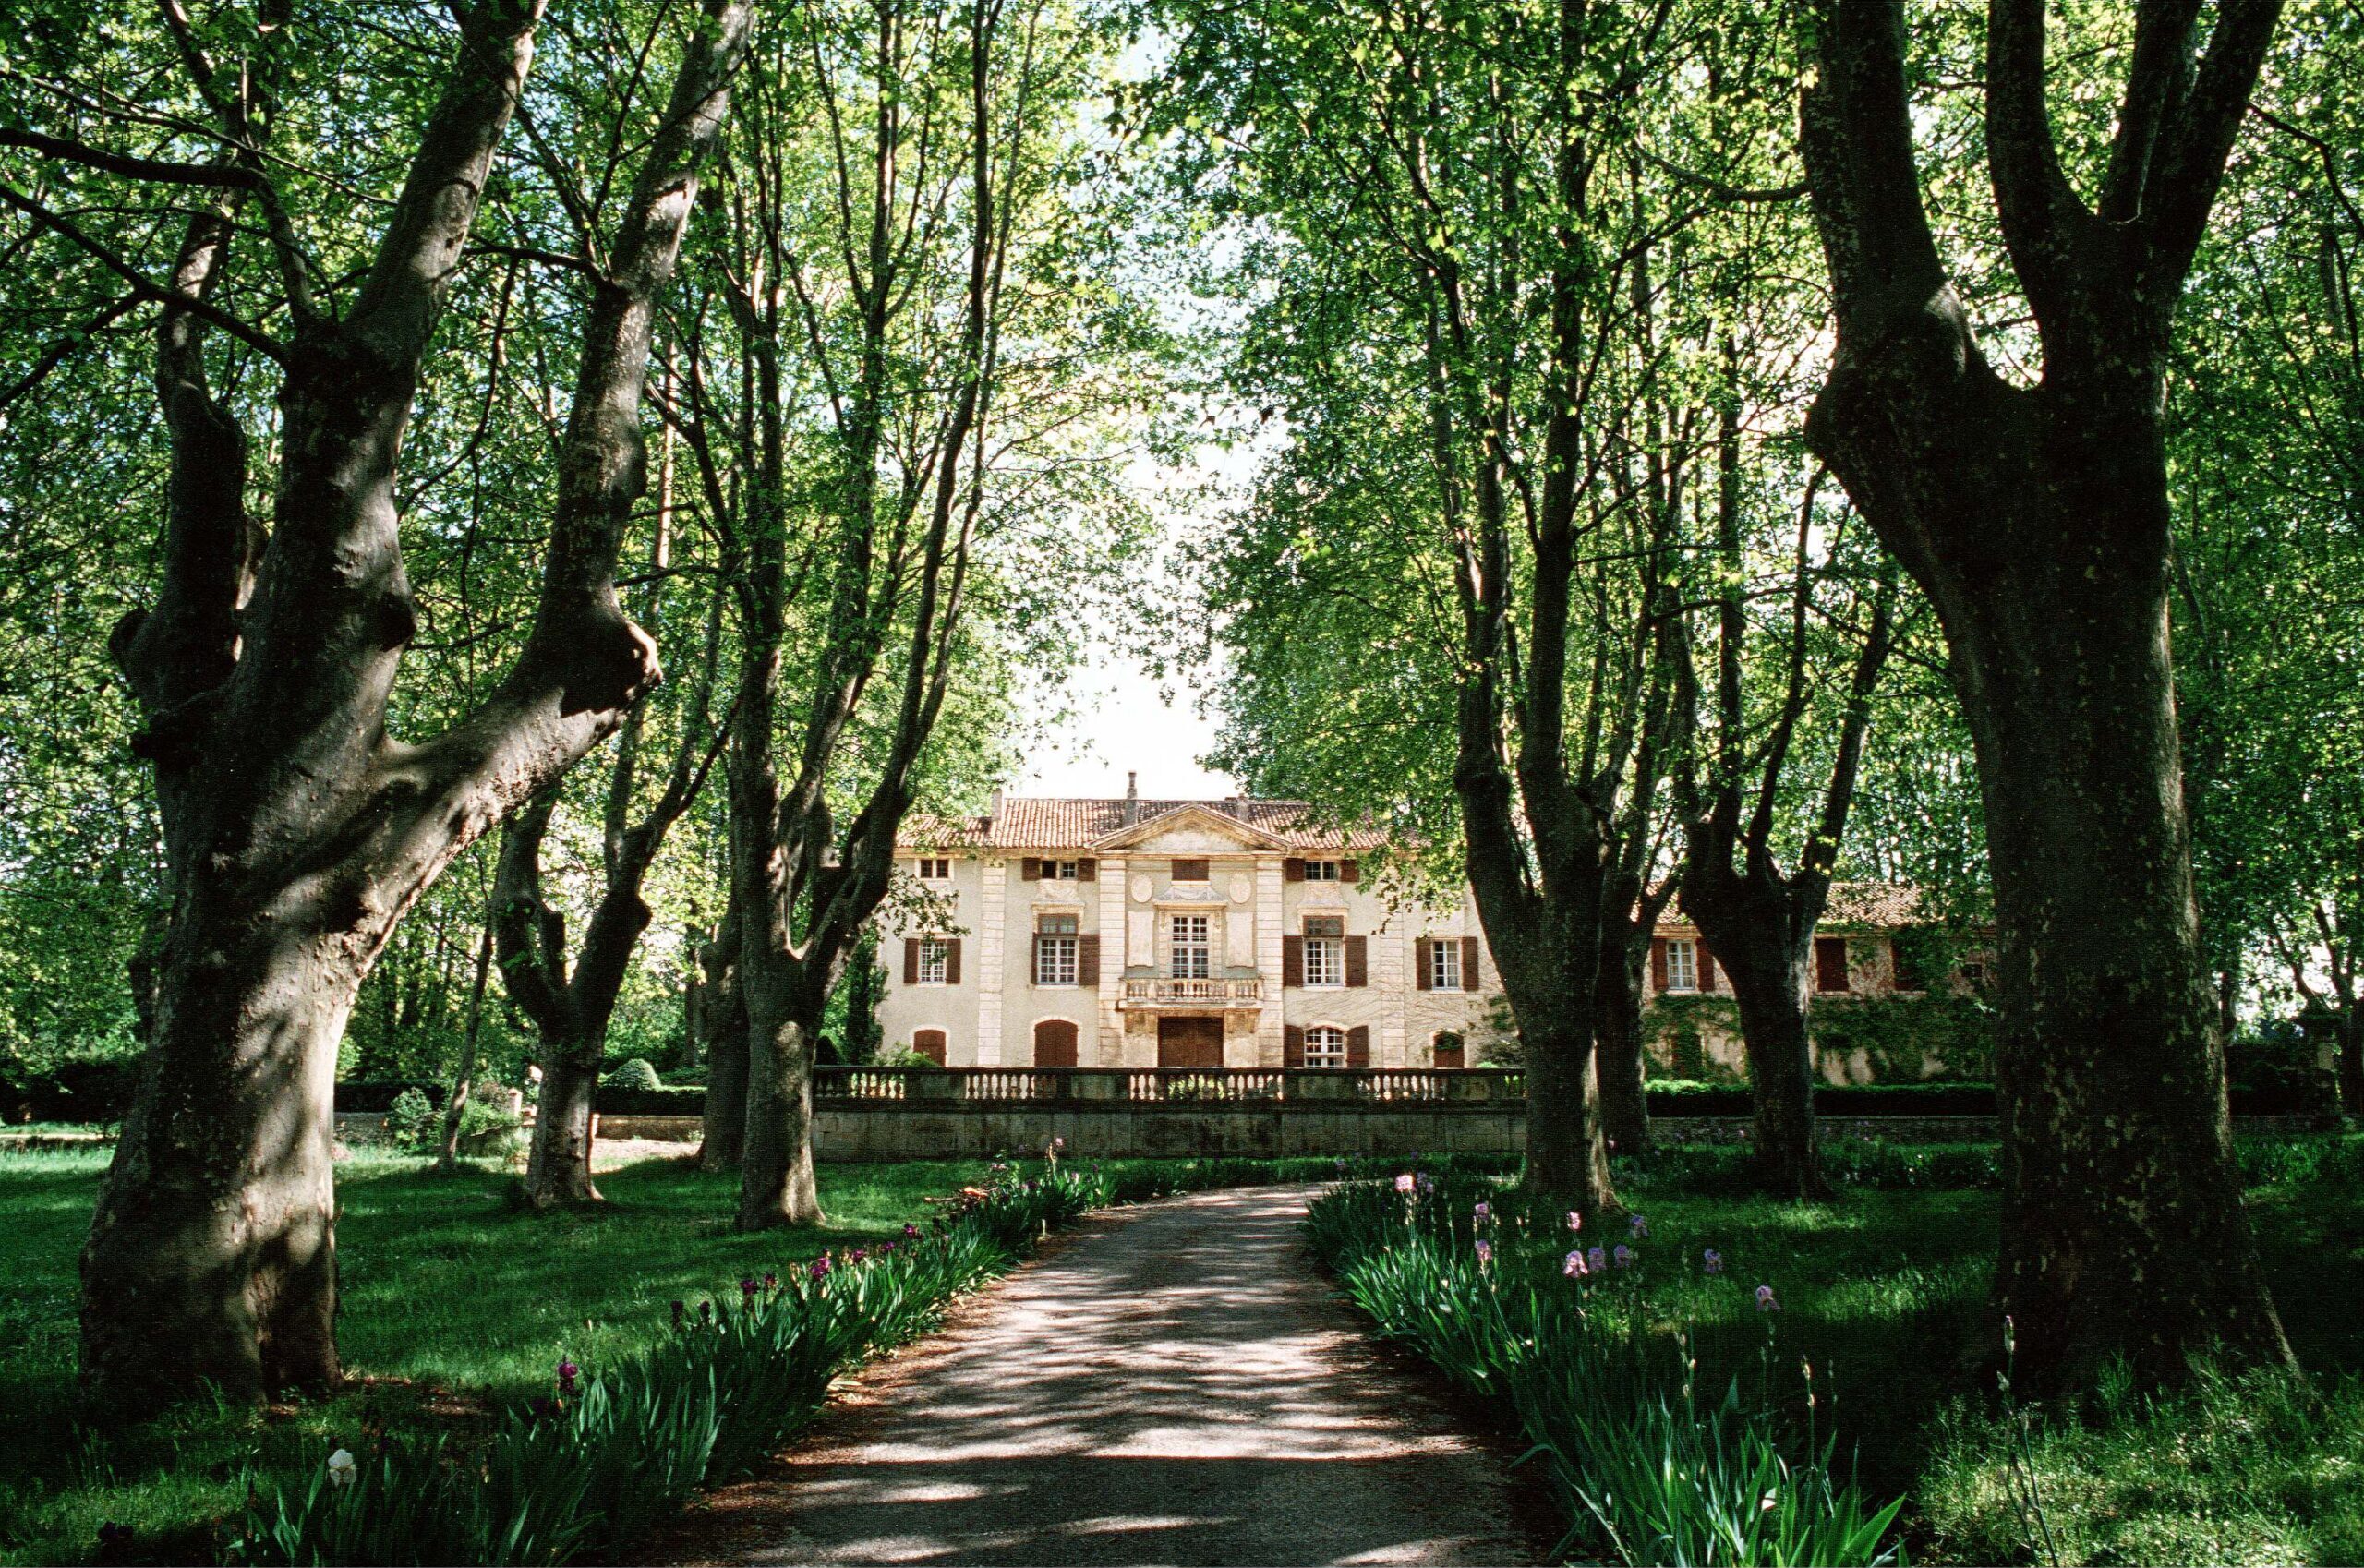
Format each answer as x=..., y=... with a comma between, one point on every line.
x=948, y=1088
x=1163, y=990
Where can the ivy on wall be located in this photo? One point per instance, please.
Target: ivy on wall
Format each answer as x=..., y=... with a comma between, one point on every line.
x=1903, y=1039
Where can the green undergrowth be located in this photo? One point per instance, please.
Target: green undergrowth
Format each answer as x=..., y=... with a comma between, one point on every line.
x=1657, y=1450
x=457, y=1305
x=1883, y=1292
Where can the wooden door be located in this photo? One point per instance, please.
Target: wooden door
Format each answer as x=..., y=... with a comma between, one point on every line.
x=1055, y=1044
x=1190, y=1042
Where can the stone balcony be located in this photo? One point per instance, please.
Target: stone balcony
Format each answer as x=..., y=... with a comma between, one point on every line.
x=1159, y=991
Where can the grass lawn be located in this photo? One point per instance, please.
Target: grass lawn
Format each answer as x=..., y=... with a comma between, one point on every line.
x=453, y=1301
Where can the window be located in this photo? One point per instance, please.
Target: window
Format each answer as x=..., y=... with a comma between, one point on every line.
x=1189, y=871
x=929, y=1042
x=1325, y=1046
x=1446, y=1049
x=1321, y=871
x=1444, y=964
x=1058, y=871
x=1973, y=975
x=1682, y=964
x=1055, y=950
x=1189, y=951
x=1831, y=965
x=936, y=868
x=1325, y=950
x=935, y=961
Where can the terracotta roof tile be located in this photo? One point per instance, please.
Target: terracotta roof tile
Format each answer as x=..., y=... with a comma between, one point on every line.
x=1069, y=822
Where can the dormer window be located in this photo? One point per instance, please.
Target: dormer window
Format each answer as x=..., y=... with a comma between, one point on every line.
x=936, y=868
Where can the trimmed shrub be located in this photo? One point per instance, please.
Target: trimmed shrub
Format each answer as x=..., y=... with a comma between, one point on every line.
x=637, y=1074
x=411, y=1120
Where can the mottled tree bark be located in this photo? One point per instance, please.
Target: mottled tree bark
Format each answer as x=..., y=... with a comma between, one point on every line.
x=724, y=1017
x=2037, y=521
x=297, y=830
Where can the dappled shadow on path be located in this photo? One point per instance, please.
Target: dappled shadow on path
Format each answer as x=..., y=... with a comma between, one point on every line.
x=1175, y=1385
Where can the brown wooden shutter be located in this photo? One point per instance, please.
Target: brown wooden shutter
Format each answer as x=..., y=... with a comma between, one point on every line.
x=1470, y=979
x=1292, y=1046
x=1087, y=870
x=1359, y=1046
x=1292, y=870
x=1830, y=964
x=1030, y=870
x=1420, y=972
x=929, y=1042
x=1087, y=961
x=1291, y=960
x=1706, y=967
x=1357, y=960
x=952, y=960
x=910, y=960
x=1658, y=965
x=1350, y=871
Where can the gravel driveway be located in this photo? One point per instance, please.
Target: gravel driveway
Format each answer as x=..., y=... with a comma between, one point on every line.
x=1173, y=1383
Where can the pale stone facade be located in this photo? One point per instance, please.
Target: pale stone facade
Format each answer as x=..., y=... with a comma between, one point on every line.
x=1178, y=934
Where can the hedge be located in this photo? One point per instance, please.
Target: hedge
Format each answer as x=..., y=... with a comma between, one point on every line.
x=1942, y=1100
x=684, y=1100
x=379, y=1095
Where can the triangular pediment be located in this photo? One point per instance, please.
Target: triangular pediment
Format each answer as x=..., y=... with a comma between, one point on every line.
x=1192, y=829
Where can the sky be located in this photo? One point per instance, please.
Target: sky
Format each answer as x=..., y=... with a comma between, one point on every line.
x=1120, y=721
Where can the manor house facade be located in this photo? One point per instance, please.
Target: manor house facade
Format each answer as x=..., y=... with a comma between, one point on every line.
x=1185, y=934
x=1240, y=933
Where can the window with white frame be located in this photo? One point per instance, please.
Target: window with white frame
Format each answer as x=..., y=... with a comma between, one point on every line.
x=1186, y=946
x=1058, y=871
x=1682, y=964
x=935, y=960
x=1325, y=950
x=936, y=868
x=1321, y=871
x=1054, y=948
x=1325, y=1046
x=1444, y=964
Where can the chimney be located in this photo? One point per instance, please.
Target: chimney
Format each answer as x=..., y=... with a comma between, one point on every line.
x=1132, y=799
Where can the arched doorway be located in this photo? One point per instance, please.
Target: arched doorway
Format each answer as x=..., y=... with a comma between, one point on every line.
x=1055, y=1044
x=929, y=1042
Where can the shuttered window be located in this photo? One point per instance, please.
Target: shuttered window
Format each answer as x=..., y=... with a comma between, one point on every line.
x=1055, y=945
x=1682, y=964
x=1325, y=1046
x=1444, y=967
x=1830, y=964
x=1325, y=950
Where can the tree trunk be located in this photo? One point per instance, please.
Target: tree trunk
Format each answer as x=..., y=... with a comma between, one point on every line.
x=557, y=1170
x=776, y=1181
x=455, y=1105
x=1770, y=964
x=1567, y=1159
x=724, y=1015
x=2037, y=520
x=2351, y=1060
x=1625, y=1106
x=212, y=1256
